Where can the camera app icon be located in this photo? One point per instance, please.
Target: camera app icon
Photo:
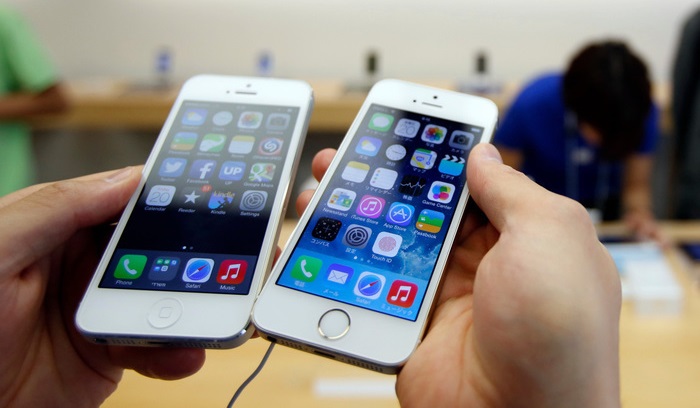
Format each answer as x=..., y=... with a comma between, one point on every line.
x=461, y=140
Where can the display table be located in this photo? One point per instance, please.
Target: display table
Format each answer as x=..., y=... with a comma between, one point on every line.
x=104, y=104
x=659, y=361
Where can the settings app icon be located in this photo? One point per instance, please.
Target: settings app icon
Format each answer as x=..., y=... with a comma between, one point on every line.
x=253, y=200
x=357, y=236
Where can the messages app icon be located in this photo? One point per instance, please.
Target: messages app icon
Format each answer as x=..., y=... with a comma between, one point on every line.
x=381, y=122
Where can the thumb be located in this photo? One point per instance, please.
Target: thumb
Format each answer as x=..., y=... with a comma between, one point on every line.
x=36, y=223
x=501, y=192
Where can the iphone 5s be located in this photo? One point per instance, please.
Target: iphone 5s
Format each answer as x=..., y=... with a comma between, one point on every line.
x=359, y=275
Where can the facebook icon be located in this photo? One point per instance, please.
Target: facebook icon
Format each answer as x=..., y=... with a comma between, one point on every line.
x=201, y=169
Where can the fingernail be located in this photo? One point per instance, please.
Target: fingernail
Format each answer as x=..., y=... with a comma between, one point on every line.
x=118, y=175
x=489, y=152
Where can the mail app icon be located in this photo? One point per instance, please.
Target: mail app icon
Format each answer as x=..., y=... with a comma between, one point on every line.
x=339, y=273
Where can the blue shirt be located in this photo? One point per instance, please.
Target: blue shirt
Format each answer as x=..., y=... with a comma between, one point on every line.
x=535, y=126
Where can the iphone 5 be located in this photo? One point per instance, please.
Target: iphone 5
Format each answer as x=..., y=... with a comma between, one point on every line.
x=196, y=241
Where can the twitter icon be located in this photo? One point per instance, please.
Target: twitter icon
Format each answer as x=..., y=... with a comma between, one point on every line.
x=172, y=167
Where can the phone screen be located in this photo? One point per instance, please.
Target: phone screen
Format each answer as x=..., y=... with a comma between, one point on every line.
x=374, y=239
x=201, y=217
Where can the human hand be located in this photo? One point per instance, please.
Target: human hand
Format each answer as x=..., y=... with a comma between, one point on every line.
x=529, y=311
x=528, y=314
x=643, y=226
x=51, y=238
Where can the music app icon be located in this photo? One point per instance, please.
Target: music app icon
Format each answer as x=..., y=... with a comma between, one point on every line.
x=402, y=293
x=370, y=206
x=232, y=272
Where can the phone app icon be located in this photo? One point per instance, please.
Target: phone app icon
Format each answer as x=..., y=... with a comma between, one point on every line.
x=277, y=121
x=326, y=228
x=221, y=200
x=164, y=269
x=407, y=128
x=430, y=221
x=341, y=199
x=355, y=172
x=370, y=206
x=253, y=200
x=250, y=120
x=383, y=178
x=172, y=167
x=241, y=144
x=184, y=141
x=412, y=185
x=395, y=152
x=262, y=173
x=357, y=236
x=222, y=118
x=434, y=134
x=198, y=270
x=400, y=214
x=271, y=146
x=202, y=169
x=160, y=195
x=232, y=272
x=306, y=268
x=232, y=170
x=194, y=117
x=212, y=143
x=452, y=165
x=381, y=122
x=369, y=146
x=461, y=140
x=130, y=266
x=339, y=274
x=387, y=244
x=423, y=159
x=402, y=293
x=441, y=192
x=369, y=285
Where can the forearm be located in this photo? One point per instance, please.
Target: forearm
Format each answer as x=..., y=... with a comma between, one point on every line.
x=22, y=105
x=637, y=199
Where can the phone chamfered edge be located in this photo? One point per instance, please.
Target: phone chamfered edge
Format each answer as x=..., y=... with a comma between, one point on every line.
x=487, y=119
x=237, y=336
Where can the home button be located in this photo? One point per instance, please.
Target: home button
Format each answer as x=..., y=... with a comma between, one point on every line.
x=334, y=324
x=165, y=313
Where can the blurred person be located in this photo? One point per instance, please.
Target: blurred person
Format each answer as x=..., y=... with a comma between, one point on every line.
x=28, y=86
x=686, y=119
x=590, y=133
x=528, y=314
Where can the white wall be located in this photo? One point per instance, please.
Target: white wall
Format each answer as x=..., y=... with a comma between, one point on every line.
x=329, y=38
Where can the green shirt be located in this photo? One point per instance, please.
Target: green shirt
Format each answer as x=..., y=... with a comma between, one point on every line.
x=24, y=67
